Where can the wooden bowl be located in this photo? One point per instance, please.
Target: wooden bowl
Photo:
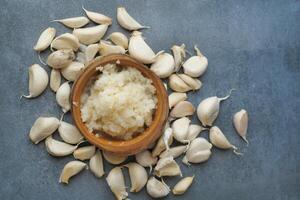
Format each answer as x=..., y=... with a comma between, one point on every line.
x=104, y=142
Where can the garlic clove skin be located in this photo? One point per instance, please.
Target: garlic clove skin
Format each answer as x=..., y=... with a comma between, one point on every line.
x=199, y=151
x=45, y=39
x=91, y=51
x=71, y=169
x=84, y=153
x=174, y=151
x=65, y=41
x=96, y=164
x=179, y=56
x=126, y=21
x=107, y=49
x=73, y=22
x=98, y=17
x=72, y=71
x=218, y=139
x=180, y=129
x=195, y=84
x=164, y=65
x=113, y=158
x=156, y=188
x=69, y=133
x=42, y=128
x=38, y=81
x=119, y=39
x=175, y=98
x=182, y=109
x=63, y=95
x=167, y=167
x=58, y=148
x=55, y=79
x=194, y=131
x=177, y=84
x=240, y=122
x=195, y=66
x=60, y=58
x=138, y=176
x=90, y=35
x=145, y=159
x=115, y=181
x=182, y=186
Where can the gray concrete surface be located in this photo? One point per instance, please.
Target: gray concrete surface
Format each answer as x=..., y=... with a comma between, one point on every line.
x=253, y=46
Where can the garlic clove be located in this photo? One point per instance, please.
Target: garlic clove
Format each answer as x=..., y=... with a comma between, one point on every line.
x=240, y=122
x=180, y=129
x=82, y=48
x=156, y=188
x=182, y=186
x=55, y=79
x=194, y=131
x=96, y=164
x=177, y=84
x=72, y=71
x=182, y=109
x=42, y=128
x=90, y=35
x=45, y=39
x=161, y=144
x=69, y=133
x=166, y=137
x=91, y=51
x=84, y=153
x=73, y=22
x=195, y=84
x=195, y=66
x=138, y=176
x=65, y=41
x=119, y=39
x=115, y=181
x=63, y=95
x=167, y=167
x=174, y=151
x=107, y=49
x=179, y=56
x=145, y=159
x=58, y=148
x=81, y=57
x=164, y=65
x=197, y=157
x=97, y=17
x=113, y=158
x=175, y=98
x=126, y=21
x=71, y=169
x=38, y=81
x=60, y=58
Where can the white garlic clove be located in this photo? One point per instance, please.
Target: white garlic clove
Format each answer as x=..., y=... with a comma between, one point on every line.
x=179, y=56
x=65, y=41
x=45, y=39
x=71, y=169
x=115, y=181
x=167, y=167
x=84, y=153
x=138, y=176
x=174, y=151
x=168, y=133
x=38, y=81
x=240, y=122
x=140, y=50
x=69, y=133
x=96, y=164
x=90, y=35
x=160, y=145
x=113, y=158
x=182, y=185
x=180, y=129
x=145, y=159
x=107, y=49
x=119, y=39
x=156, y=188
x=97, y=17
x=175, y=98
x=58, y=148
x=195, y=66
x=60, y=58
x=194, y=83
x=73, y=22
x=126, y=21
x=182, y=109
x=194, y=131
x=81, y=57
x=82, y=48
x=164, y=65
x=177, y=84
x=42, y=128
x=63, y=97
x=55, y=79
x=72, y=71
x=91, y=51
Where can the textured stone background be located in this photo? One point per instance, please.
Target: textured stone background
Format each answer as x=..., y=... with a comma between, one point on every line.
x=253, y=46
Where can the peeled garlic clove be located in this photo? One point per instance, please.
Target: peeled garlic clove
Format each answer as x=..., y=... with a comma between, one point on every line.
x=42, y=128
x=113, y=158
x=160, y=145
x=182, y=109
x=240, y=122
x=45, y=39
x=97, y=17
x=138, y=176
x=175, y=98
x=115, y=181
x=194, y=131
x=156, y=188
x=71, y=169
x=84, y=153
x=65, y=41
x=69, y=133
x=179, y=55
x=38, y=81
x=91, y=51
x=58, y=148
x=195, y=84
x=126, y=21
x=60, y=58
x=55, y=79
x=96, y=164
x=177, y=84
x=81, y=57
x=72, y=71
x=195, y=66
x=180, y=129
x=164, y=65
x=182, y=185
x=140, y=50
x=90, y=35
x=167, y=167
x=63, y=95
x=107, y=49
x=145, y=159
x=73, y=22
x=119, y=39
x=174, y=152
